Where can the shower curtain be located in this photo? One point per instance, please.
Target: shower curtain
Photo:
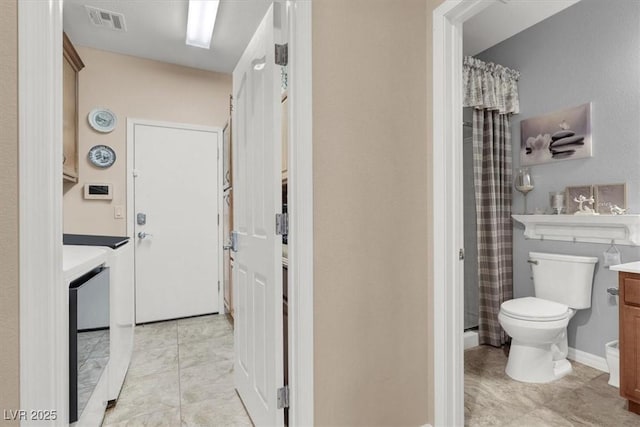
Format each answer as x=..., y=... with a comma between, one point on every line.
x=491, y=90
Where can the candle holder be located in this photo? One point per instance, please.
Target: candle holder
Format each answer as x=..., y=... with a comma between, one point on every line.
x=524, y=184
x=556, y=200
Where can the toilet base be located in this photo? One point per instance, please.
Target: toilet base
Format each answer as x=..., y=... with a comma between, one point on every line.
x=533, y=363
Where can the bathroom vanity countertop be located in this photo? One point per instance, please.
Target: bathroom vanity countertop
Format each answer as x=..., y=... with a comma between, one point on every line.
x=629, y=267
x=77, y=260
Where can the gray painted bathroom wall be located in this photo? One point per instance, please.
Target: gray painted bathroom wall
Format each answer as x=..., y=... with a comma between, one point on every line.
x=589, y=52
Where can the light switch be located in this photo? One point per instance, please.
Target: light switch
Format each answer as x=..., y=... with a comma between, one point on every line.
x=118, y=212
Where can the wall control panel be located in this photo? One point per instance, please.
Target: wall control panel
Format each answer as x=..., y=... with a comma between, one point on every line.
x=98, y=191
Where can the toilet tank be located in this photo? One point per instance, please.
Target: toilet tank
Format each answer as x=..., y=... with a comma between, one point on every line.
x=566, y=279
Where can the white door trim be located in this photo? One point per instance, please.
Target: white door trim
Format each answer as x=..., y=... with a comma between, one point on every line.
x=448, y=239
x=131, y=123
x=44, y=363
x=300, y=208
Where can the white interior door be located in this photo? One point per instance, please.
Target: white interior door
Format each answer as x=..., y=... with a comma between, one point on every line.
x=176, y=193
x=257, y=272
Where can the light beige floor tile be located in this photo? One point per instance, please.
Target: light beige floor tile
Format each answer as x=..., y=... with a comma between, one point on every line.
x=541, y=417
x=203, y=330
x=581, y=398
x=211, y=318
x=155, y=335
x=216, y=351
x=486, y=398
x=146, y=395
x=204, y=382
x=597, y=404
x=193, y=378
x=211, y=413
x=170, y=418
x=153, y=361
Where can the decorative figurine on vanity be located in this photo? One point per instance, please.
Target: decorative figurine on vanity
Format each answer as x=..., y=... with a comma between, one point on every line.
x=585, y=210
x=617, y=210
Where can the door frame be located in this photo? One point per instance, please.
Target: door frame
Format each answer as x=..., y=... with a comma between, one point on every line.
x=43, y=317
x=300, y=209
x=44, y=314
x=131, y=124
x=448, y=237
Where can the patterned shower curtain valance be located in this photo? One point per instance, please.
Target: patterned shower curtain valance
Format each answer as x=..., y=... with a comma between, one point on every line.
x=489, y=86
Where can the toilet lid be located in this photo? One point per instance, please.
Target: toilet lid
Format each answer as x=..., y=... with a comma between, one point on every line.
x=530, y=308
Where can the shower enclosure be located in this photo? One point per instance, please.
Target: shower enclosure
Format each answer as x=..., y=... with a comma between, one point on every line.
x=470, y=232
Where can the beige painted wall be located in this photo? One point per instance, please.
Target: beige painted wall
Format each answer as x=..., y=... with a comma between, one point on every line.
x=373, y=345
x=9, y=262
x=141, y=89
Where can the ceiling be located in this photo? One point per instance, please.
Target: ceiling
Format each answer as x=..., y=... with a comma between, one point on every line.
x=506, y=18
x=156, y=30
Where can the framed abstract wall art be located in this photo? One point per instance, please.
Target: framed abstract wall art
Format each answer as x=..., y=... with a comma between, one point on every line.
x=611, y=197
x=562, y=135
x=572, y=193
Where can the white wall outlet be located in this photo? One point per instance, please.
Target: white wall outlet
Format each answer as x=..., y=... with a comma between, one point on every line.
x=118, y=212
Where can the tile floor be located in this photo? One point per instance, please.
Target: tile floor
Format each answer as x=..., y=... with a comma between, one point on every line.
x=181, y=374
x=582, y=398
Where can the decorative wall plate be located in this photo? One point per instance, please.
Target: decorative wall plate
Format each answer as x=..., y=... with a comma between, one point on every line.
x=102, y=156
x=102, y=120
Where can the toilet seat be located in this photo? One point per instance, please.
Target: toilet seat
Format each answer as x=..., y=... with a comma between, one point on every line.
x=535, y=309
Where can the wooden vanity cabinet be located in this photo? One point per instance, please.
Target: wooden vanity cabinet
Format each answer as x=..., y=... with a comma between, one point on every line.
x=629, y=288
x=71, y=66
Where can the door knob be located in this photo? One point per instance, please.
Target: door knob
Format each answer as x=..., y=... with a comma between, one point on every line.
x=143, y=235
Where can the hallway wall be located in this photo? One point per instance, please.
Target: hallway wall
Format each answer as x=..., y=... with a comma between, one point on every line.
x=371, y=214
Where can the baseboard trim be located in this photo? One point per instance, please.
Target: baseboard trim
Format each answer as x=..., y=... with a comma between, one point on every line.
x=596, y=362
x=471, y=339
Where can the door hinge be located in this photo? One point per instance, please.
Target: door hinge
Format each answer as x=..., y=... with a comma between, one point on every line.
x=218, y=285
x=283, y=397
x=282, y=224
x=282, y=54
x=218, y=219
x=461, y=254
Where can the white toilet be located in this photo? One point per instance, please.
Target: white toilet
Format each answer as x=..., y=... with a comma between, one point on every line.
x=538, y=325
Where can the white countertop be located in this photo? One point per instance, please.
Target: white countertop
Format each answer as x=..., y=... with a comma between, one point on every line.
x=77, y=260
x=630, y=267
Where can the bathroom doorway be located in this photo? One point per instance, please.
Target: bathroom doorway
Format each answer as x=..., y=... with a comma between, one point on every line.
x=451, y=197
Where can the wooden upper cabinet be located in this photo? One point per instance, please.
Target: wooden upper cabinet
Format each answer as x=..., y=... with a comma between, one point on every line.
x=71, y=65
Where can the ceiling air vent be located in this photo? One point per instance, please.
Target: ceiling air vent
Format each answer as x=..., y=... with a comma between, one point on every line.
x=106, y=19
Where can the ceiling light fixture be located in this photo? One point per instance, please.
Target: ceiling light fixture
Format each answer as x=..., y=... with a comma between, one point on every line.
x=202, y=18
